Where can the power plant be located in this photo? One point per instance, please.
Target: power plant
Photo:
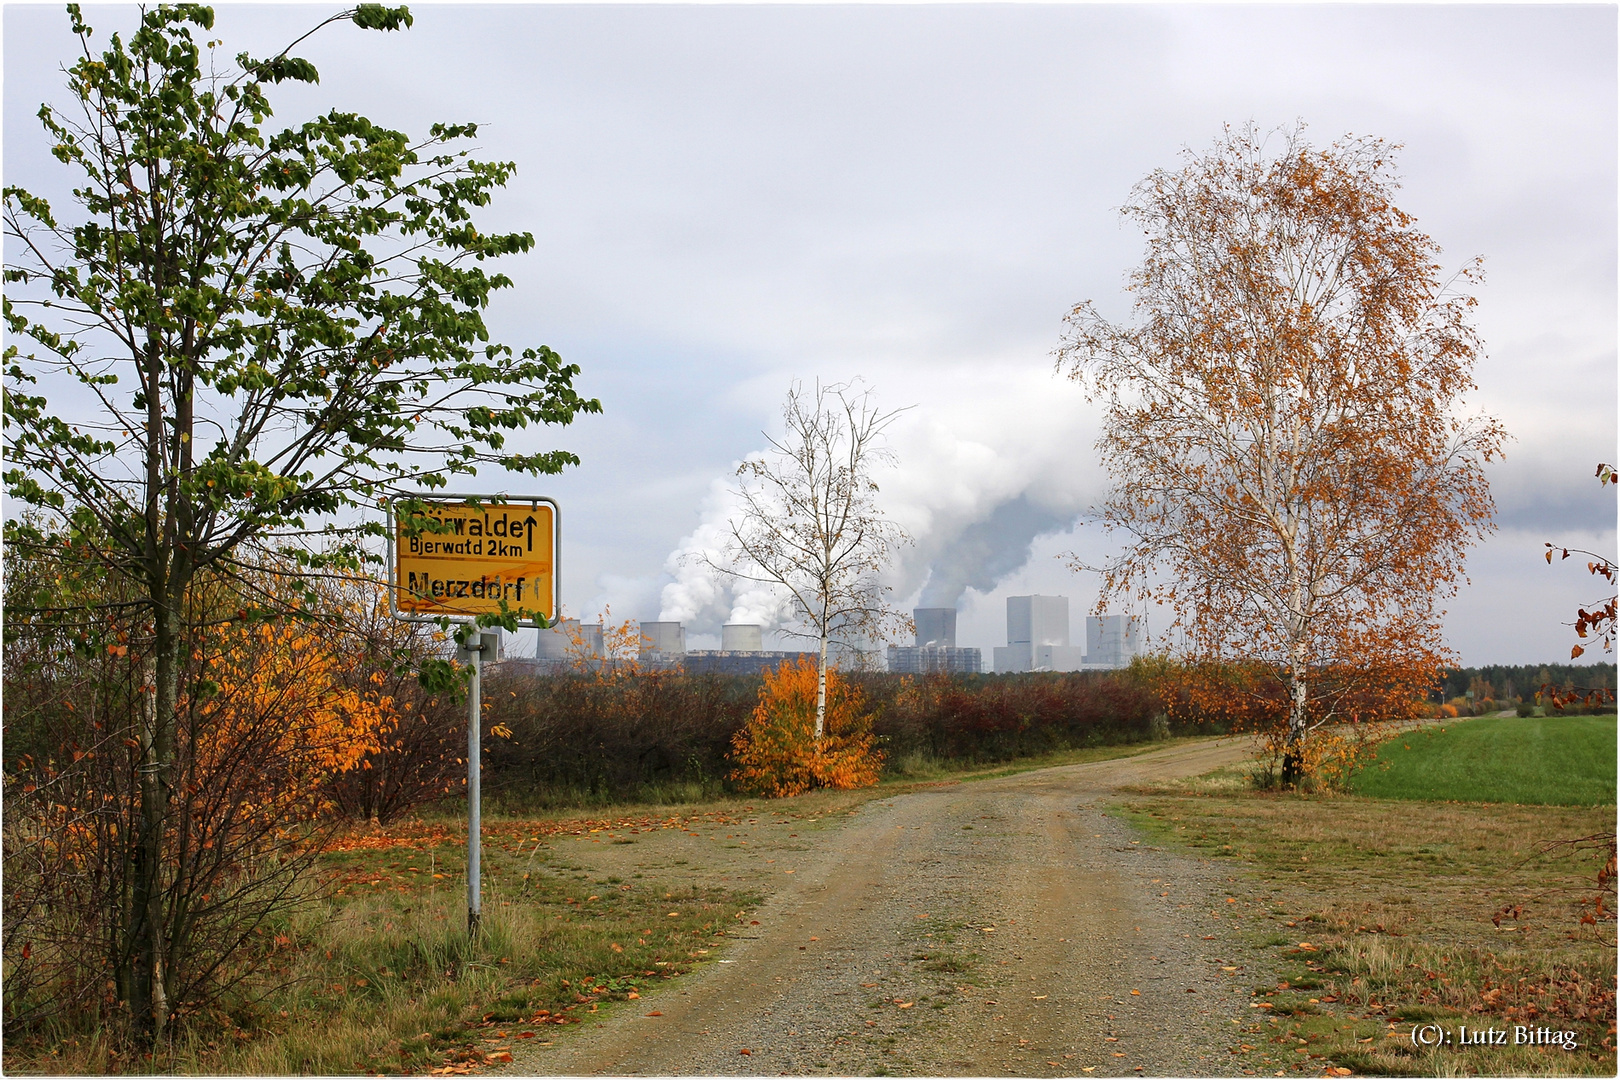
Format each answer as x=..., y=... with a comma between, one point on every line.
x=1112, y=641
x=1037, y=640
x=936, y=648
x=569, y=640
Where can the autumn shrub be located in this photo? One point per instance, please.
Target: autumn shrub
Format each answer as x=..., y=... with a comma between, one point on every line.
x=777, y=754
x=268, y=718
x=1331, y=756
x=417, y=753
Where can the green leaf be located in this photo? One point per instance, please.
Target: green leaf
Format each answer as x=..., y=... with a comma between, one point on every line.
x=379, y=17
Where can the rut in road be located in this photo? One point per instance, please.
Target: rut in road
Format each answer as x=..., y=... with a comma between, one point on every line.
x=1005, y=927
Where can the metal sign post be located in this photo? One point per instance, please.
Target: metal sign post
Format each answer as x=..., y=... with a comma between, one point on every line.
x=459, y=557
x=473, y=652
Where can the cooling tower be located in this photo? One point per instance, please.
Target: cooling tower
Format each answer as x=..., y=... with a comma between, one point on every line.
x=742, y=637
x=552, y=644
x=663, y=637
x=556, y=643
x=936, y=627
x=592, y=633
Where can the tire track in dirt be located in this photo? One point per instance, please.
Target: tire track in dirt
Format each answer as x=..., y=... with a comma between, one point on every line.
x=1004, y=927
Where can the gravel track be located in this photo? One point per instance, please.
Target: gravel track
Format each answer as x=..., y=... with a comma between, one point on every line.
x=1003, y=927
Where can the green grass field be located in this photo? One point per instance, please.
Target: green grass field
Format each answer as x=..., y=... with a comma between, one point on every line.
x=1550, y=761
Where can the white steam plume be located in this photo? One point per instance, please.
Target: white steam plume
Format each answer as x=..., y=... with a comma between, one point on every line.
x=987, y=463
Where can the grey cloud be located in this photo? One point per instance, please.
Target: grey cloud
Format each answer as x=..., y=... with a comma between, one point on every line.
x=982, y=554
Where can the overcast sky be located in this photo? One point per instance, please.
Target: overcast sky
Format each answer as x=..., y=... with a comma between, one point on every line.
x=726, y=199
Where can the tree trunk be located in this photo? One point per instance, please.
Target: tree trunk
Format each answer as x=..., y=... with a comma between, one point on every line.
x=167, y=569
x=1293, y=762
x=149, y=1004
x=821, y=690
x=1298, y=616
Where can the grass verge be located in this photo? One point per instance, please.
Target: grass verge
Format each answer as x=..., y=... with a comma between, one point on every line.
x=1368, y=918
x=1560, y=761
x=379, y=976
x=376, y=974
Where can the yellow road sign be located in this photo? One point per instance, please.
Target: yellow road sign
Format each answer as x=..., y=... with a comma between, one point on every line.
x=460, y=560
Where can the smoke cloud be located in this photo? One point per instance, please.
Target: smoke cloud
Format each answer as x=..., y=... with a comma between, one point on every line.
x=983, y=472
x=979, y=556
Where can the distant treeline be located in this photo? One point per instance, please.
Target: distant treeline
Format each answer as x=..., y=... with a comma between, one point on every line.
x=1513, y=681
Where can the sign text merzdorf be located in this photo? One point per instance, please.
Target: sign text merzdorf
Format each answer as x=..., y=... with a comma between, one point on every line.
x=462, y=560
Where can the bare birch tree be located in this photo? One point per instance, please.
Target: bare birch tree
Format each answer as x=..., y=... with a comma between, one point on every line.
x=810, y=523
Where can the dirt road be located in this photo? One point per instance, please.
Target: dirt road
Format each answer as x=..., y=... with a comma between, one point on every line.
x=1004, y=927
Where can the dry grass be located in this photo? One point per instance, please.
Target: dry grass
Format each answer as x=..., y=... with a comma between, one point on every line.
x=379, y=975
x=1370, y=917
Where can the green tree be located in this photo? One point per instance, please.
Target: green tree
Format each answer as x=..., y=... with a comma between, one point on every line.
x=251, y=338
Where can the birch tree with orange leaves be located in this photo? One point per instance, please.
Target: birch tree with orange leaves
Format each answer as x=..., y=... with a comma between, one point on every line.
x=1295, y=473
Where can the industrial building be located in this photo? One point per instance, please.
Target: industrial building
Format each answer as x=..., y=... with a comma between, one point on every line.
x=742, y=652
x=936, y=648
x=740, y=662
x=1038, y=638
x=1112, y=641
